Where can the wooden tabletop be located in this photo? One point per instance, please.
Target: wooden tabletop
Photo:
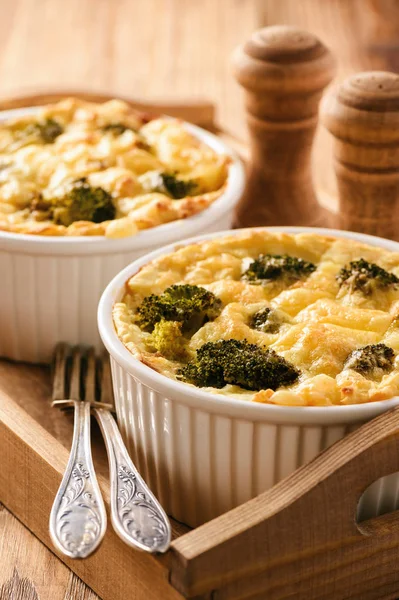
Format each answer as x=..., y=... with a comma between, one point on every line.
x=160, y=49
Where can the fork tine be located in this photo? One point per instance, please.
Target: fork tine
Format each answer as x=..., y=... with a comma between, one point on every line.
x=61, y=354
x=106, y=390
x=76, y=372
x=90, y=376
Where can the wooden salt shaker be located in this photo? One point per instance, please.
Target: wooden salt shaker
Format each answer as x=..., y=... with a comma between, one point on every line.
x=363, y=116
x=284, y=71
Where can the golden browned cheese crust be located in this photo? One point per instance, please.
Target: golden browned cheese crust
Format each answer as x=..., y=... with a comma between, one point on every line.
x=114, y=148
x=323, y=324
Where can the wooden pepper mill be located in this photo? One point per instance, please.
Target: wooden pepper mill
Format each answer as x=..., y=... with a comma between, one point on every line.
x=363, y=116
x=284, y=71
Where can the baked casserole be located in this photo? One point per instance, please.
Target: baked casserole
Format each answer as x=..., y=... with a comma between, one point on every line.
x=77, y=168
x=306, y=319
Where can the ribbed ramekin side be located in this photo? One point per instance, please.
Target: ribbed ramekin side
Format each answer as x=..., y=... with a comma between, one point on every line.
x=48, y=299
x=201, y=464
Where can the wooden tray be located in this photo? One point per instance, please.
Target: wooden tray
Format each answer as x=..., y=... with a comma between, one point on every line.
x=298, y=540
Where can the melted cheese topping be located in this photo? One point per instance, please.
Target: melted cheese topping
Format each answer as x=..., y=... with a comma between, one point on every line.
x=322, y=323
x=114, y=148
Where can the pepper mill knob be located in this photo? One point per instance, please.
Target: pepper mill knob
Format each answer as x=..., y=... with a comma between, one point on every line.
x=284, y=71
x=363, y=116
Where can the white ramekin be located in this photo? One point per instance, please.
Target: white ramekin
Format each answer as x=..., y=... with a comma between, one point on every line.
x=201, y=453
x=50, y=286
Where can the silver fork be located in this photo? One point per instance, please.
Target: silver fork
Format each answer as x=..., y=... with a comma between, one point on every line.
x=78, y=519
x=136, y=514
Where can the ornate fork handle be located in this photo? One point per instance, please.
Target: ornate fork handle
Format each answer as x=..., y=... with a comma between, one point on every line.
x=136, y=515
x=78, y=518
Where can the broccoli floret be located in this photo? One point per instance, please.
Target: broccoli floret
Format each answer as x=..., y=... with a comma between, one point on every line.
x=174, y=187
x=168, y=184
x=266, y=320
x=204, y=372
x=365, y=277
x=238, y=363
x=168, y=340
x=371, y=361
x=116, y=128
x=190, y=305
x=43, y=131
x=275, y=267
x=82, y=203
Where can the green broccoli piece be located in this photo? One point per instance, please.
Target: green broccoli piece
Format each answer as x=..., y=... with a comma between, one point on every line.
x=238, y=363
x=82, y=203
x=365, y=277
x=272, y=267
x=190, y=305
x=266, y=320
x=116, y=128
x=168, y=340
x=174, y=187
x=371, y=361
x=41, y=132
x=167, y=183
x=205, y=371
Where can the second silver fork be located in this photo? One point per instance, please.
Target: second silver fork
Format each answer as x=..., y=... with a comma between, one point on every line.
x=136, y=515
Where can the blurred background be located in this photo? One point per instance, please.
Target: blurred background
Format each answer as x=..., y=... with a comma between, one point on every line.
x=175, y=48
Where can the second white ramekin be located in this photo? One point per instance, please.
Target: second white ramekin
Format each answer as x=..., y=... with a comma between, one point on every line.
x=50, y=286
x=201, y=453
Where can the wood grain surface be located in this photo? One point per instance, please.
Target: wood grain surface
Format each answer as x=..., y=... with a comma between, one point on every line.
x=161, y=50
x=29, y=571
